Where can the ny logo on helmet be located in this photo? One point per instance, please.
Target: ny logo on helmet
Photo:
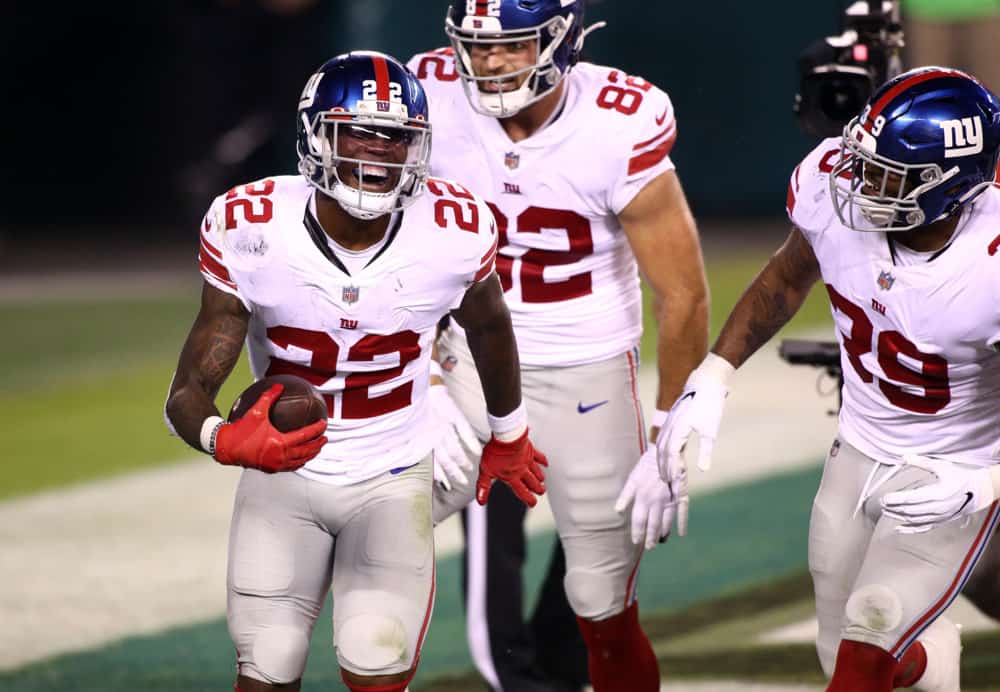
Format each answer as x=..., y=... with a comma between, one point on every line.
x=962, y=137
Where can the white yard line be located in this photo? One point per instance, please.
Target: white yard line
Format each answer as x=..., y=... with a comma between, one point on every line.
x=145, y=552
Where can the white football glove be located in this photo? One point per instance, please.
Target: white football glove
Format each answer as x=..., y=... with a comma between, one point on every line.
x=457, y=444
x=654, y=503
x=697, y=410
x=955, y=491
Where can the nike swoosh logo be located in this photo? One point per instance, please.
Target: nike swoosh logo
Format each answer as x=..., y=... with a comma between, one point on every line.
x=968, y=499
x=689, y=395
x=583, y=409
x=660, y=119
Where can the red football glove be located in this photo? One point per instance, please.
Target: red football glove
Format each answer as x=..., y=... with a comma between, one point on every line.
x=253, y=442
x=517, y=463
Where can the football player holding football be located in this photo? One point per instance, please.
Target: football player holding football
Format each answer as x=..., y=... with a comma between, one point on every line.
x=574, y=160
x=340, y=276
x=900, y=220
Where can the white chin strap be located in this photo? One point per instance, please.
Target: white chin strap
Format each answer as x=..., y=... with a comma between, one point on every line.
x=879, y=218
x=506, y=103
x=364, y=205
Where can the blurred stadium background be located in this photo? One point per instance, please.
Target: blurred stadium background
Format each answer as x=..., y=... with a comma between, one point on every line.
x=123, y=120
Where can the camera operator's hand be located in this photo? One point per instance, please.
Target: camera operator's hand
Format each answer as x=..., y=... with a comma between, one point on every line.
x=697, y=410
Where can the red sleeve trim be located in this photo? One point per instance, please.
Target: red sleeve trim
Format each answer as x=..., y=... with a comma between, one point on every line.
x=666, y=131
x=648, y=159
x=214, y=267
x=793, y=186
x=483, y=273
x=209, y=275
x=209, y=249
x=487, y=262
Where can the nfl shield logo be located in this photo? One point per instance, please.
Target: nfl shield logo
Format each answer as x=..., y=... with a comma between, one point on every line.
x=350, y=294
x=511, y=160
x=886, y=280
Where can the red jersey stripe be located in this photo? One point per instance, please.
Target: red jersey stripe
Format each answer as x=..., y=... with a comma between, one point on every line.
x=210, y=249
x=214, y=267
x=491, y=252
x=207, y=274
x=905, y=84
x=667, y=131
x=486, y=263
x=381, y=78
x=648, y=159
x=793, y=187
x=984, y=533
x=482, y=273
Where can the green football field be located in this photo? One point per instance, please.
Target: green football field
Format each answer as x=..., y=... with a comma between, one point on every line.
x=82, y=382
x=82, y=386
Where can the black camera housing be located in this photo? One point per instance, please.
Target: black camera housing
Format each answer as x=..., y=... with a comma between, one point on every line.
x=838, y=74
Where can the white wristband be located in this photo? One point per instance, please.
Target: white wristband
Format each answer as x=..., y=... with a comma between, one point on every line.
x=208, y=431
x=510, y=427
x=436, y=369
x=659, y=418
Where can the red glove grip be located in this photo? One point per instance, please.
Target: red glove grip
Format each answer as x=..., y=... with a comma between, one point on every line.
x=516, y=463
x=254, y=443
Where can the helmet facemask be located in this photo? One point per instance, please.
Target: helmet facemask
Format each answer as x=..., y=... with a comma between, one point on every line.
x=538, y=79
x=335, y=162
x=874, y=193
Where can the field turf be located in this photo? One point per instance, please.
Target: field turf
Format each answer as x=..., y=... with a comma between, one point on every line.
x=83, y=381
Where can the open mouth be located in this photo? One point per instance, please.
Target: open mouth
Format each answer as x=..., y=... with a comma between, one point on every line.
x=499, y=85
x=373, y=178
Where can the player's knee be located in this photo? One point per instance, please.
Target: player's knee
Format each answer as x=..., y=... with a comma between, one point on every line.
x=279, y=653
x=872, y=612
x=372, y=644
x=592, y=595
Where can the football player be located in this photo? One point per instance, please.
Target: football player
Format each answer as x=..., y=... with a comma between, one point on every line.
x=340, y=276
x=574, y=160
x=900, y=221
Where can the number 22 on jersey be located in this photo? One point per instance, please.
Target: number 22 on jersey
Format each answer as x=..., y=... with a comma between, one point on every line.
x=325, y=362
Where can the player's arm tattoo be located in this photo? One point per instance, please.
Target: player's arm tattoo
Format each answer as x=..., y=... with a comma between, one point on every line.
x=486, y=320
x=771, y=300
x=210, y=353
x=224, y=344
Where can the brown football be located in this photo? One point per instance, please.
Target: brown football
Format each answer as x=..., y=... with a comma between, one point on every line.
x=299, y=404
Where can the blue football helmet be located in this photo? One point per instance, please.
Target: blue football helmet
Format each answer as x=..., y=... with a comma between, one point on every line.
x=555, y=25
x=926, y=144
x=363, y=134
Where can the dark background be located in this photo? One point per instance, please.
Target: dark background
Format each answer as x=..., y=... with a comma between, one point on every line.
x=121, y=121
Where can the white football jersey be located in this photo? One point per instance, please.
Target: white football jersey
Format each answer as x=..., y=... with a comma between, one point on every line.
x=364, y=339
x=570, y=277
x=918, y=337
